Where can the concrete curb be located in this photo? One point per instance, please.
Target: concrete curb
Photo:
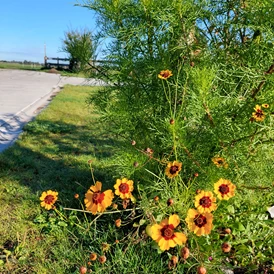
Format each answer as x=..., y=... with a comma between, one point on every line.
x=12, y=128
x=24, y=94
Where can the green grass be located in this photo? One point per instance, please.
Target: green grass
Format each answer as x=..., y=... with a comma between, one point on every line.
x=7, y=65
x=36, y=67
x=54, y=152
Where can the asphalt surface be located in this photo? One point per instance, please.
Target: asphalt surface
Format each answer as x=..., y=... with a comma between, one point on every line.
x=23, y=94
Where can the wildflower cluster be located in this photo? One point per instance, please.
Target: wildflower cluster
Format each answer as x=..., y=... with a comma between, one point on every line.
x=199, y=220
x=190, y=215
x=96, y=200
x=259, y=114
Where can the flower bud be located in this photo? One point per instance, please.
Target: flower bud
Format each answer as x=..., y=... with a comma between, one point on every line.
x=201, y=270
x=149, y=151
x=227, y=231
x=93, y=256
x=174, y=259
x=172, y=121
x=118, y=222
x=226, y=247
x=133, y=142
x=102, y=259
x=172, y=262
x=76, y=196
x=170, y=202
x=83, y=270
x=156, y=198
x=185, y=253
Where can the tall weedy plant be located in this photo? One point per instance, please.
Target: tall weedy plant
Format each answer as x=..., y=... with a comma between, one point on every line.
x=191, y=92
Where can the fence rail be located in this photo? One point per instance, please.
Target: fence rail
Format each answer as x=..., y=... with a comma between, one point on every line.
x=56, y=64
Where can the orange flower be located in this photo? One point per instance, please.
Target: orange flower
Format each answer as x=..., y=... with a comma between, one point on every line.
x=199, y=223
x=123, y=188
x=48, y=198
x=173, y=169
x=97, y=201
x=219, y=162
x=165, y=74
x=205, y=202
x=258, y=115
x=224, y=189
x=165, y=235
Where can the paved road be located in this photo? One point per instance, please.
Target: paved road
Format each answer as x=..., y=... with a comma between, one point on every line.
x=23, y=94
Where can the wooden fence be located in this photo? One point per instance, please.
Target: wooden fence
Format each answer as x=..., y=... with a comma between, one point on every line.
x=95, y=64
x=57, y=63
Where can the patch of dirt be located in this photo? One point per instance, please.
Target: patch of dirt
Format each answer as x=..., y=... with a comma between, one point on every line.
x=53, y=70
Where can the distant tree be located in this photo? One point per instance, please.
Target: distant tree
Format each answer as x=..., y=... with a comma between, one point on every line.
x=79, y=45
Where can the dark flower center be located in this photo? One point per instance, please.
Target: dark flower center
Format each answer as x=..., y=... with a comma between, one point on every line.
x=49, y=199
x=98, y=197
x=259, y=113
x=205, y=201
x=165, y=74
x=124, y=188
x=173, y=169
x=224, y=189
x=220, y=162
x=200, y=220
x=168, y=232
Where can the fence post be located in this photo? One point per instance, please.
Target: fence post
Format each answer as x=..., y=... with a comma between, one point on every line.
x=45, y=61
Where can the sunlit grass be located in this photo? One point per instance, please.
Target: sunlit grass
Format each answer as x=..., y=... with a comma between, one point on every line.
x=53, y=152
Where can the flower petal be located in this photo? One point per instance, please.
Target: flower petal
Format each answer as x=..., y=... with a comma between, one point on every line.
x=174, y=220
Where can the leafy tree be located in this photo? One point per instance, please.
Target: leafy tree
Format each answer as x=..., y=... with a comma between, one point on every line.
x=80, y=47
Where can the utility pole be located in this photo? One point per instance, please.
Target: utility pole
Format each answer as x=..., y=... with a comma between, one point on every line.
x=45, y=55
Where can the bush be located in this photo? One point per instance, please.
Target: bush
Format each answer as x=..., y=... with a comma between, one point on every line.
x=191, y=93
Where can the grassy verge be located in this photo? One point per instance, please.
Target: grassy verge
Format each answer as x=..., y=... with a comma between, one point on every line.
x=36, y=67
x=52, y=153
x=7, y=65
x=55, y=152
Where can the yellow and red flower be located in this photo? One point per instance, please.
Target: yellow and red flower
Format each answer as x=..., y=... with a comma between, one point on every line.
x=96, y=200
x=199, y=223
x=48, y=198
x=165, y=74
x=224, y=189
x=164, y=233
x=265, y=105
x=173, y=169
x=205, y=201
x=124, y=188
x=258, y=115
x=220, y=162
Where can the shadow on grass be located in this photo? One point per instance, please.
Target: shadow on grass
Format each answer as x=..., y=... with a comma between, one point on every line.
x=55, y=156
